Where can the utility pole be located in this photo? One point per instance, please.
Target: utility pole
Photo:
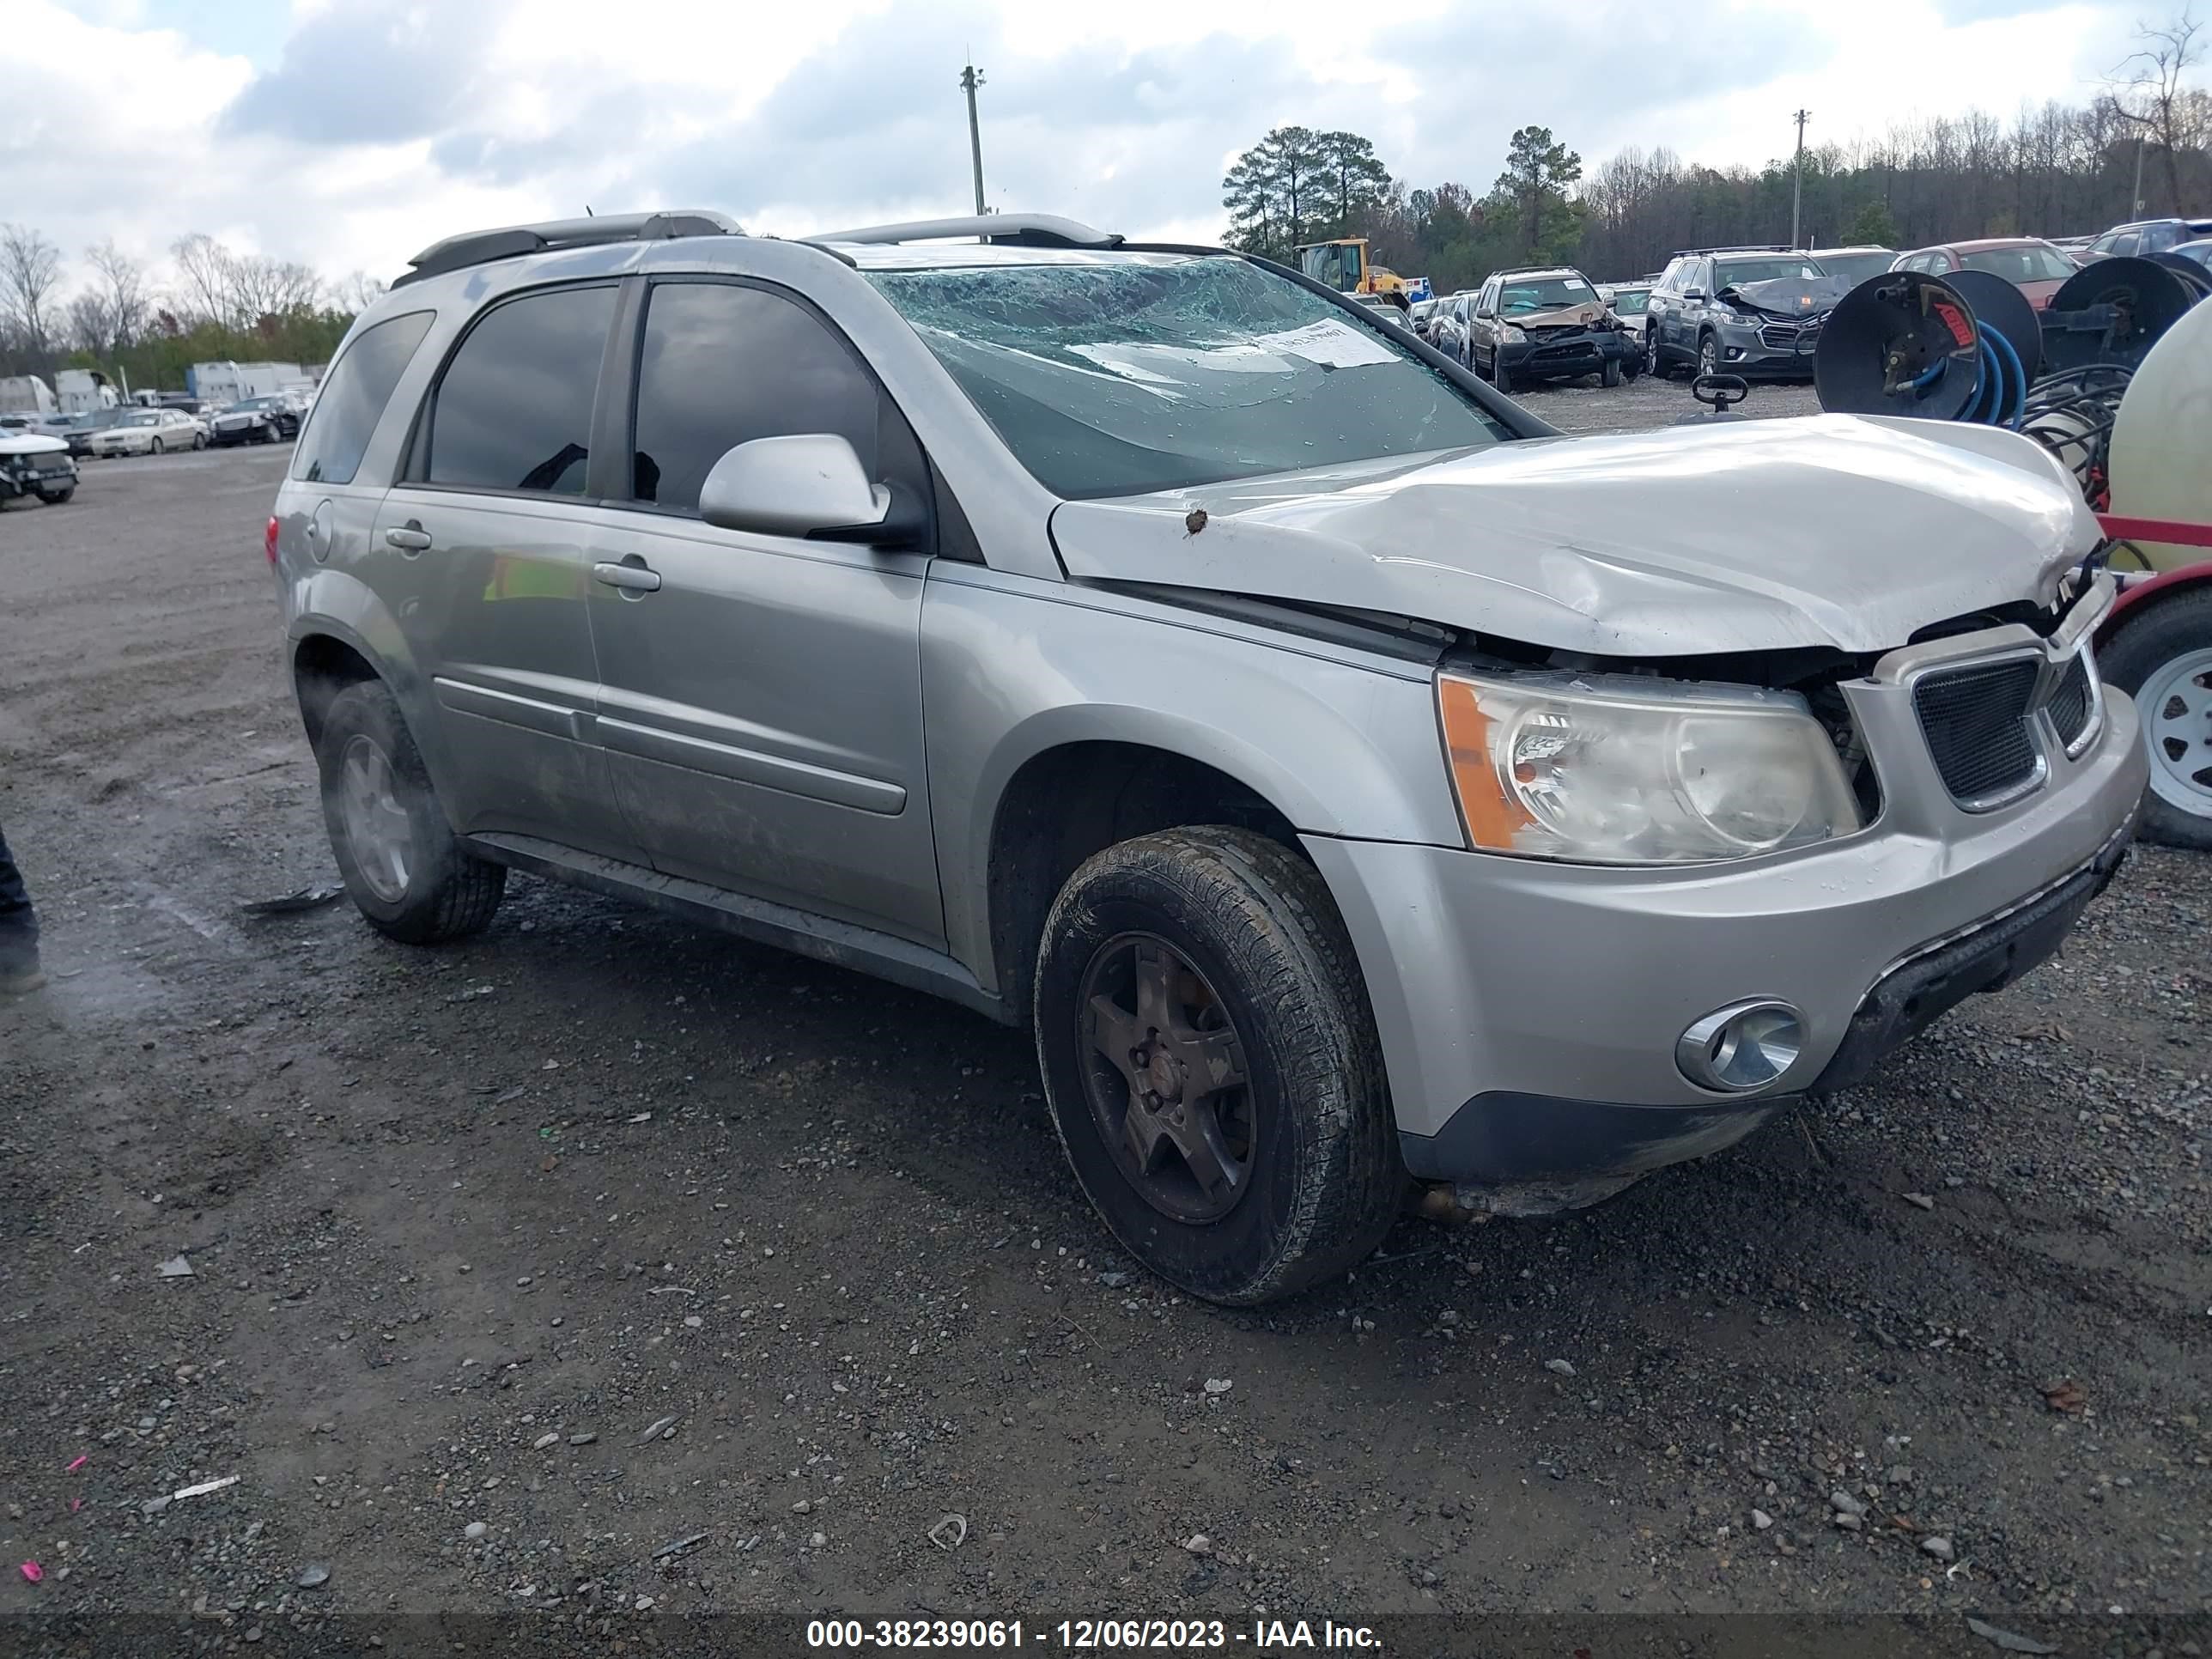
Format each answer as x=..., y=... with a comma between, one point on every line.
x=970, y=78
x=2134, y=200
x=1798, y=178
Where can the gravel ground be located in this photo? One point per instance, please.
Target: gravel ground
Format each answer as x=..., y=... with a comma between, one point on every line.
x=514, y=1262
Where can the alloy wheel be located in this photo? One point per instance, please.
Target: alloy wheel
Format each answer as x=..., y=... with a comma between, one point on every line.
x=379, y=832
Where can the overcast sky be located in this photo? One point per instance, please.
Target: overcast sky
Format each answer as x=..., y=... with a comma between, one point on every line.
x=351, y=133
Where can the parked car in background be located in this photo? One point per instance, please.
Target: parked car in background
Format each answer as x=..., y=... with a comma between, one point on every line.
x=2147, y=236
x=2071, y=247
x=149, y=432
x=1543, y=323
x=35, y=464
x=2031, y=265
x=1854, y=264
x=264, y=420
x=2200, y=251
x=1448, y=328
x=1352, y=798
x=79, y=430
x=1752, y=311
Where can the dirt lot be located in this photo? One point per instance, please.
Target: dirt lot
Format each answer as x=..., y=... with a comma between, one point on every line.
x=464, y=1224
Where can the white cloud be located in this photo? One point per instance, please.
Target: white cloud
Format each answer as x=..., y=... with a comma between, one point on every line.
x=371, y=127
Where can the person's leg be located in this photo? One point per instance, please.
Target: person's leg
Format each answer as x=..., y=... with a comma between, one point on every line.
x=19, y=929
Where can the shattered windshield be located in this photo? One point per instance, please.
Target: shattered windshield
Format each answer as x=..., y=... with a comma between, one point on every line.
x=1157, y=372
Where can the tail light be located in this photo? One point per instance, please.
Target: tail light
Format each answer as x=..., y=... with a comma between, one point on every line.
x=269, y=539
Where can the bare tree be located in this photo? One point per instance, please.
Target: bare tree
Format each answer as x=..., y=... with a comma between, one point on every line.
x=92, y=323
x=2162, y=105
x=360, y=291
x=30, y=268
x=120, y=283
x=203, y=284
x=262, y=286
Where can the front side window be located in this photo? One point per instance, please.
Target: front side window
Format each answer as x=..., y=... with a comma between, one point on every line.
x=1109, y=377
x=354, y=395
x=514, y=408
x=722, y=365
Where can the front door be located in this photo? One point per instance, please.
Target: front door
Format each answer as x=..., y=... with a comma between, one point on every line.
x=760, y=701
x=484, y=565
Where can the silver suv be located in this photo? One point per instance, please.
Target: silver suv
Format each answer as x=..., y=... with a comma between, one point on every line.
x=1364, y=794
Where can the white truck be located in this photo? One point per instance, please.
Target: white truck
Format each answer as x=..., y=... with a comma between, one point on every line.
x=223, y=383
x=81, y=391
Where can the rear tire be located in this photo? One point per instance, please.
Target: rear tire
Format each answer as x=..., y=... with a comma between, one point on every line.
x=1264, y=969
x=2169, y=649
x=404, y=868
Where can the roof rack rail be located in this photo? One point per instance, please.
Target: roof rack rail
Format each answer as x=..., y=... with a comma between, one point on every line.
x=478, y=248
x=1734, y=247
x=1517, y=271
x=1014, y=229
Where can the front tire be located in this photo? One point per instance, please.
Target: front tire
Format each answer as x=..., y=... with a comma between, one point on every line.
x=1212, y=1067
x=55, y=497
x=2163, y=659
x=403, y=866
x=154, y=448
x=1709, y=356
x=1500, y=376
x=1610, y=374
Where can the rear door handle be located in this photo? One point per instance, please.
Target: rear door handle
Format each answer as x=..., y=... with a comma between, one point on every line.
x=632, y=578
x=409, y=538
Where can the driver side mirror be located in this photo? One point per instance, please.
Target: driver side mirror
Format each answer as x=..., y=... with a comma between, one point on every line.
x=1694, y=295
x=807, y=483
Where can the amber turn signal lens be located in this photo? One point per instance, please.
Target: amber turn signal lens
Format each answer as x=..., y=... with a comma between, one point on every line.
x=1491, y=817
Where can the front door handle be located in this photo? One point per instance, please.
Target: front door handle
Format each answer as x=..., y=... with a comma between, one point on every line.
x=409, y=538
x=630, y=576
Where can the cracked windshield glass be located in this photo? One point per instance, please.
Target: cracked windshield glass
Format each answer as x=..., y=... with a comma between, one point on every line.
x=1155, y=372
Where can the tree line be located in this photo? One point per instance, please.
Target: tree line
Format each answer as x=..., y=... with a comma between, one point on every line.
x=2142, y=149
x=111, y=313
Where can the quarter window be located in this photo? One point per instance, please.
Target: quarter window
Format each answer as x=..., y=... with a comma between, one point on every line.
x=353, y=397
x=514, y=410
x=723, y=365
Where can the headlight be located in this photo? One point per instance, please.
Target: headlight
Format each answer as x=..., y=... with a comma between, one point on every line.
x=1512, y=334
x=1608, y=769
x=1743, y=318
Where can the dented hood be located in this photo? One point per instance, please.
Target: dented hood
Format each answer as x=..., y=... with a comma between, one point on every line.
x=1838, y=531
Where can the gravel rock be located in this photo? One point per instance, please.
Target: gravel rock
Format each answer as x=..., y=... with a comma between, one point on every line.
x=474, y=1530
x=583, y=1439
x=1199, y=1544
x=1559, y=1367
x=1845, y=1503
x=1939, y=1547
x=655, y=1429
x=1761, y=1519
x=313, y=1576
x=543, y=1440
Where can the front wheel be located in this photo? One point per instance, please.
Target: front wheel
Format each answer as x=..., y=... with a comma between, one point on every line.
x=155, y=448
x=1500, y=376
x=1610, y=374
x=55, y=497
x=1709, y=356
x=403, y=866
x=2163, y=659
x=1212, y=1067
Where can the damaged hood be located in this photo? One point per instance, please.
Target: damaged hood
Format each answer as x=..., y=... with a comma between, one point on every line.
x=1576, y=316
x=1788, y=296
x=1838, y=531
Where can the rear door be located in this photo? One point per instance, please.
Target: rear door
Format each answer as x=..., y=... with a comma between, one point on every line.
x=480, y=552
x=760, y=696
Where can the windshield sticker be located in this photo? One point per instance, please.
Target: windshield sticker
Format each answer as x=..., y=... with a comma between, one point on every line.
x=1333, y=343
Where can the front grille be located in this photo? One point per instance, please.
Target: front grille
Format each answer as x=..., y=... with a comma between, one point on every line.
x=2070, y=703
x=1790, y=337
x=1975, y=720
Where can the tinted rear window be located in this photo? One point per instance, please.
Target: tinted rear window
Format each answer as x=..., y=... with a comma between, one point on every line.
x=353, y=397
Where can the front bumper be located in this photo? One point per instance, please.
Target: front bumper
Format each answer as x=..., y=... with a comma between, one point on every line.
x=1516, y=998
x=1773, y=351
x=1584, y=353
x=53, y=473
x=238, y=435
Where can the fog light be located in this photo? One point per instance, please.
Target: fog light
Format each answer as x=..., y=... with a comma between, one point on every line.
x=1736, y=354
x=1742, y=1047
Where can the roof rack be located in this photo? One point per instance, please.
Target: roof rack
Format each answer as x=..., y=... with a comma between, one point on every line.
x=477, y=247
x=1013, y=229
x=1739, y=247
x=1522, y=270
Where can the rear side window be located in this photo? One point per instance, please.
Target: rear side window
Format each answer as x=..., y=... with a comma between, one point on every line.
x=722, y=365
x=353, y=397
x=514, y=408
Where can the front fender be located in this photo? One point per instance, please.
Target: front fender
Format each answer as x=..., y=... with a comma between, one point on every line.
x=1339, y=745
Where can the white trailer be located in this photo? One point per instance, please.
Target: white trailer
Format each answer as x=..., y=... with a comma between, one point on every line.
x=227, y=382
x=81, y=391
x=25, y=394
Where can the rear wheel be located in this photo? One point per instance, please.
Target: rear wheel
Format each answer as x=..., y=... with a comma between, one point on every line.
x=404, y=867
x=2163, y=659
x=1212, y=1067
